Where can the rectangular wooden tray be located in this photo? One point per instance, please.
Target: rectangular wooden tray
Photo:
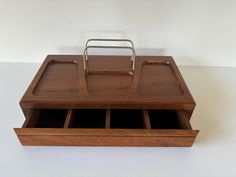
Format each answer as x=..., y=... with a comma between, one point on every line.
x=108, y=104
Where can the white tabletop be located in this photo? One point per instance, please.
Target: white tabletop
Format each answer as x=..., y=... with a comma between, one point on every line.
x=213, y=154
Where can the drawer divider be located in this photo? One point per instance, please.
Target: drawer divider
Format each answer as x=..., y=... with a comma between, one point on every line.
x=69, y=118
x=146, y=120
x=108, y=118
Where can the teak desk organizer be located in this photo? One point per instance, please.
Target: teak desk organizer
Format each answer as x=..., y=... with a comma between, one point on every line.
x=107, y=101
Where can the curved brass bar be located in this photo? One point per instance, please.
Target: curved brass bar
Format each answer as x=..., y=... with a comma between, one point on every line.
x=85, y=54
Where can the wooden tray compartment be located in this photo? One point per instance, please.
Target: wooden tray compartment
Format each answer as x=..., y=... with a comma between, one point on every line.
x=158, y=79
x=59, y=78
x=108, y=83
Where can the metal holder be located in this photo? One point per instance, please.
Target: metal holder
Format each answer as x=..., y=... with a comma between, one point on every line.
x=85, y=55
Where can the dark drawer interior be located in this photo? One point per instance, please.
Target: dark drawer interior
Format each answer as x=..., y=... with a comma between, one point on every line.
x=126, y=118
x=109, y=119
x=50, y=118
x=164, y=119
x=89, y=118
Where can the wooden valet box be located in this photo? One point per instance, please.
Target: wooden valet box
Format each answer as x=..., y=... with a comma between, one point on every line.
x=107, y=101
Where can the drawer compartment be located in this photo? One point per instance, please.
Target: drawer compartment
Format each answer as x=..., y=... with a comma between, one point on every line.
x=89, y=118
x=101, y=127
x=47, y=118
x=126, y=118
x=168, y=119
x=164, y=119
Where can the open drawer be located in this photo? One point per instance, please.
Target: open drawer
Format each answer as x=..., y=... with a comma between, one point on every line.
x=107, y=127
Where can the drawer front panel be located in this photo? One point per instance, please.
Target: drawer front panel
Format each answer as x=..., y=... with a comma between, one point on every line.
x=109, y=137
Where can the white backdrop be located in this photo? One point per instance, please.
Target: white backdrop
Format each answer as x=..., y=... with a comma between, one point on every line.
x=195, y=32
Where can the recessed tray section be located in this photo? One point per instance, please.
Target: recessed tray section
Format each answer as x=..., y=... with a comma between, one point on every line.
x=106, y=83
x=158, y=79
x=47, y=118
x=60, y=78
x=168, y=119
x=89, y=118
x=126, y=118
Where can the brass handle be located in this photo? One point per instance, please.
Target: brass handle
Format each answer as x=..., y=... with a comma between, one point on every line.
x=85, y=55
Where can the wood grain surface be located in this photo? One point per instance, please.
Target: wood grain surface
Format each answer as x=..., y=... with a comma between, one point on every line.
x=107, y=105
